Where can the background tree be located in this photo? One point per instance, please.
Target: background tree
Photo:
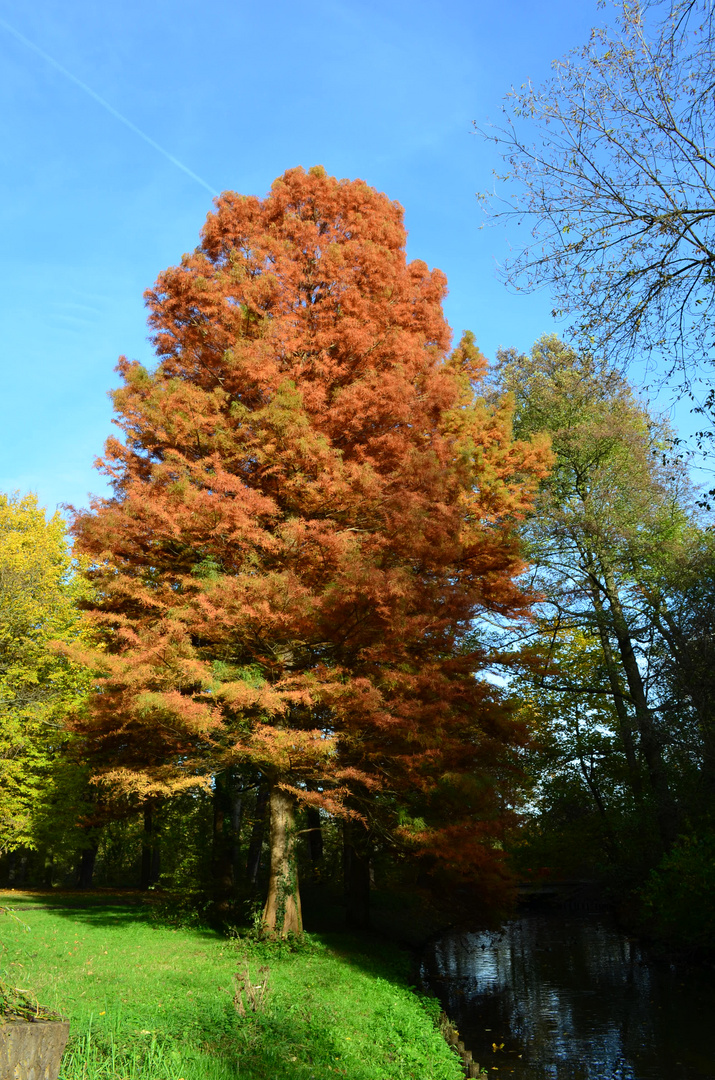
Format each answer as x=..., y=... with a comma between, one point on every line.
x=615, y=496
x=677, y=586
x=39, y=590
x=612, y=162
x=310, y=509
x=582, y=816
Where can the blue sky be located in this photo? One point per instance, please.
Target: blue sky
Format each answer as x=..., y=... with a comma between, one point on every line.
x=237, y=92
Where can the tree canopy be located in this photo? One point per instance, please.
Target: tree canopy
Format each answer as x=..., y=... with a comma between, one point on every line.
x=39, y=591
x=623, y=563
x=310, y=509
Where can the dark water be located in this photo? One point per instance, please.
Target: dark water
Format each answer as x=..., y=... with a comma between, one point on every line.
x=572, y=998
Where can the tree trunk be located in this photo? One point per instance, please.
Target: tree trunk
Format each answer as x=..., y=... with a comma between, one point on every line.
x=222, y=847
x=155, y=861
x=150, y=848
x=624, y=728
x=255, y=847
x=16, y=868
x=667, y=818
x=282, y=914
x=624, y=720
x=145, y=880
x=236, y=820
x=315, y=836
x=85, y=874
x=699, y=688
x=31, y=1048
x=356, y=876
x=587, y=771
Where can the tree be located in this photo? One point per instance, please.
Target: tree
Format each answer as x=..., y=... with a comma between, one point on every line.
x=677, y=585
x=39, y=590
x=615, y=495
x=582, y=816
x=612, y=161
x=310, y=507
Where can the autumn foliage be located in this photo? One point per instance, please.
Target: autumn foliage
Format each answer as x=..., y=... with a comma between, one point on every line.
x=311, y=508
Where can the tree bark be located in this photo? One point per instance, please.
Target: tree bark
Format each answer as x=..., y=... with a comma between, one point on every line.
x=16, y=868
x=255, y=847
x=222, y=846
x=666, y=812
x=85, y=873
x=234, y=854
x=155, y=861
x=587, y=771
x=624, y=720
x=150, y=848
x=282, y=913
x=145, y=879
x=698, y=687
x=315, y=836
x=31, y=1048
x=356, y=876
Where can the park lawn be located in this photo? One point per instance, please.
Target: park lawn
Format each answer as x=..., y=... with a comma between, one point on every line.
x=146, y=1000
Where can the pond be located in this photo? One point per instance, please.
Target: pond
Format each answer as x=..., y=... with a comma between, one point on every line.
x=560, y=996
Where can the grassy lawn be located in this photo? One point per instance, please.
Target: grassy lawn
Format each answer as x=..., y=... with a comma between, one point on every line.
x=146, y=1000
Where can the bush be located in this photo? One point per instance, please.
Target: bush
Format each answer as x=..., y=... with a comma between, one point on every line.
x=679, y=898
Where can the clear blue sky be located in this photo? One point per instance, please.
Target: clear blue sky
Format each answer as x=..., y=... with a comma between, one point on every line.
x=237, y=92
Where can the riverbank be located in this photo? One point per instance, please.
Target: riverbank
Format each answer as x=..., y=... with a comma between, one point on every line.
x=149, y=1001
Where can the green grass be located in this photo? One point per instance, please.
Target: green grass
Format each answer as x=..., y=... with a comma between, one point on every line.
x=148, y=1001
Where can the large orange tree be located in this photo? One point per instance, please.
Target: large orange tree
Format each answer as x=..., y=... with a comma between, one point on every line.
x=311, y=508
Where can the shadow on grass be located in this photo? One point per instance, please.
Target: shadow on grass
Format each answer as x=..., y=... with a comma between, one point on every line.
x=389, y=950
x=110, y=908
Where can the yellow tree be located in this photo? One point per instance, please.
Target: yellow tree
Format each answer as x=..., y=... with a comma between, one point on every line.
x=38, y=592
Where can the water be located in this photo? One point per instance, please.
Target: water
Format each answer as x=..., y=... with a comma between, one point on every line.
x=555, y=996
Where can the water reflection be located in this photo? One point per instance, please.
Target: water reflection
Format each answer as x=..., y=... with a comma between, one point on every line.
x=564, y=997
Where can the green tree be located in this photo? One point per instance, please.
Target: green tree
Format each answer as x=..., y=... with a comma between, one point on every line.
x=581, y=815
x=614, y=497
x=677, y=584
x=39, y=589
